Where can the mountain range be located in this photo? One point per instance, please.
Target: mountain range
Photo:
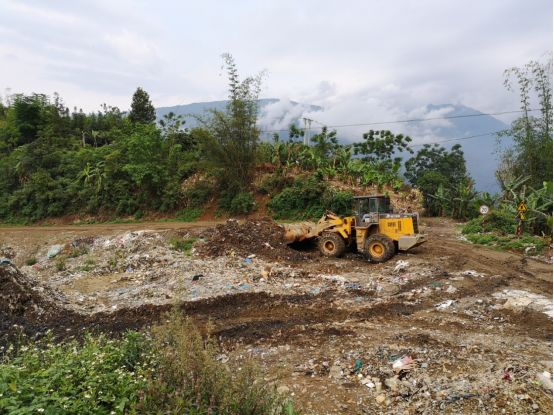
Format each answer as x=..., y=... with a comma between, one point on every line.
x=481, y=152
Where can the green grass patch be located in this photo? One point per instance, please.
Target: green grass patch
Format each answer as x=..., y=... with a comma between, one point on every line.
x=189, y=215
x=184, y=245
x=533, y=244
x=31, y=261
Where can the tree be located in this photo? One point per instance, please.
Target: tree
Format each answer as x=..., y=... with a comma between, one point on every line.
x=142, y=110
x=379, y=147
x=441, y=175
x=230, y=137
x=532, y=153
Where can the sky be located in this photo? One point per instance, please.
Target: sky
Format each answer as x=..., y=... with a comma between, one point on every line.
x=362, y=60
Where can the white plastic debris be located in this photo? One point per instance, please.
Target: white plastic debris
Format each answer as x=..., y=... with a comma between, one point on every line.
x=545, y=379
x=401, y=265
x=54, y=250
x=444, y=305
x=403, y=363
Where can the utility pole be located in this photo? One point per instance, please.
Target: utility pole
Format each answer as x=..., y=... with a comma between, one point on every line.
x=307, y=126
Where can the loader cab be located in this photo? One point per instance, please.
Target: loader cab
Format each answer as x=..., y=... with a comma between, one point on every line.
x=368, y=208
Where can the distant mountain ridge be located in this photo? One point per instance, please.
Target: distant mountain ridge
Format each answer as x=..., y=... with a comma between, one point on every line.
x=481, y=153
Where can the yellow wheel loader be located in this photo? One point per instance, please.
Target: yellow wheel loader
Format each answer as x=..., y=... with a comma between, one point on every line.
x=373, y=230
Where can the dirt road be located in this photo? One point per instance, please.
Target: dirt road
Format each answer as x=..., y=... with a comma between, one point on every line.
x=476, y=322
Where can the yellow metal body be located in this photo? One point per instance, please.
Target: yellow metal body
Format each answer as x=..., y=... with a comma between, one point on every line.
x=394, y=228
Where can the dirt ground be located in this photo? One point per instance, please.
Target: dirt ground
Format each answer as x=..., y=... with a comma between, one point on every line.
x=449, y=327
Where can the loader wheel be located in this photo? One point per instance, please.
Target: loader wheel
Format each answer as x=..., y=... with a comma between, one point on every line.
x=379, y=248
x=331, y=244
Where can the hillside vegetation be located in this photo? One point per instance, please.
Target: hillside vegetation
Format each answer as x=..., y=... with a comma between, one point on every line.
x=110, y=164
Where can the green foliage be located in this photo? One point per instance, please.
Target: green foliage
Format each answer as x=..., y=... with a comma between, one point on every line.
x=189, y=379
x=301, y=200
x=442, y=177
x=142, y=110
x=31, y=261
x=230, y=138
x=496, y=221
x=189, y=214
x=198, y=194
x=274, y=183
x=237, y=203
x=309, y=198
x=380, y=147
x=532, y=153
x=184, y=245
x=526, y=243
x=96, y=377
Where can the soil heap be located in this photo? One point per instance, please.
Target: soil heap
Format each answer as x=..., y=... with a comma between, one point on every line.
x=262, y=237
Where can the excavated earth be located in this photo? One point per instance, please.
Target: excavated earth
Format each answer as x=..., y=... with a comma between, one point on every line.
x=472, y=325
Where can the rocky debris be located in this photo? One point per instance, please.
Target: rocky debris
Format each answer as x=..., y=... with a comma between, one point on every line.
x=261, y=237
x=520, y=300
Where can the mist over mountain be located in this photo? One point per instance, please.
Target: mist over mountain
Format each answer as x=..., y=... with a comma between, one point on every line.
x=481, y=153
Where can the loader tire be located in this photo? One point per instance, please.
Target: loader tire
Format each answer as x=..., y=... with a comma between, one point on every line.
x=379, y=248
x=331, y=245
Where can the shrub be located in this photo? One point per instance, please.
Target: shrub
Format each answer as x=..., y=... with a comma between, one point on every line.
x=96, y=377
x=274, y=183
x=243, y=203
x=198, y=194
x=509, y=242
x=496, y=221
x=301, y=200
x=189, y=379
x=338, y=202
x=183, y=245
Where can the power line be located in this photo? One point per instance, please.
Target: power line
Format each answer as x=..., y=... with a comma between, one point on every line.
x=410, y=120
x=457, y=139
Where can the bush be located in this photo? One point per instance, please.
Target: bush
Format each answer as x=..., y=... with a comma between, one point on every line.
x=274, y=183
x=96, y=377
x=198, y=194
x=496, y=221
x=237, y=202
x=338, y=202
x=299, y=201
x=31, y=261
x=189, y=378
x=183, y=245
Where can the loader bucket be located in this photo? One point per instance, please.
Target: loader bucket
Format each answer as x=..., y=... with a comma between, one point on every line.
x=298, y=232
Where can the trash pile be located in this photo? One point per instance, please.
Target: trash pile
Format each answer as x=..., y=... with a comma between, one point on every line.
x=24, y=302
x=261, y=237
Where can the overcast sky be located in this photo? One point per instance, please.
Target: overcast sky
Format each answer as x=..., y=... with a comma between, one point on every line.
x=362, y=60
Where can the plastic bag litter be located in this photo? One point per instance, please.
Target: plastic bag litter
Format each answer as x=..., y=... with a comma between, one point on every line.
x=545, y=379
x=401, y=265
x=54, y=250
x=403, y=363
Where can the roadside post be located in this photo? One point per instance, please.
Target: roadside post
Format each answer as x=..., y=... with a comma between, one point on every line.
x=521, y=209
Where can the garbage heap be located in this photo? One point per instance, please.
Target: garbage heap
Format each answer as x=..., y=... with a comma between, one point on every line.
x=262, y=237
x=25, y=304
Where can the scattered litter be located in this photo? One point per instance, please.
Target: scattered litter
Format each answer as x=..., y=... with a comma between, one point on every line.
x=519, y=300
x=545, y=379
x=444, y=305
x=401, y=265
x=54, y=250
x=358, y=365
x=247, y=260
x=403, y=363
x=451, y=289
x=471, y=273
x=5, y=261
x=507, y=376
x=197, y=277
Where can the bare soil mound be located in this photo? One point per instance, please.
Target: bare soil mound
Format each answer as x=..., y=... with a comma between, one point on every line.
x=261, y=237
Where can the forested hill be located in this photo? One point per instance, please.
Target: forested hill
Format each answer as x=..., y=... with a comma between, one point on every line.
x=481, y=153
